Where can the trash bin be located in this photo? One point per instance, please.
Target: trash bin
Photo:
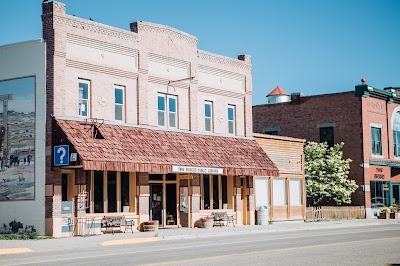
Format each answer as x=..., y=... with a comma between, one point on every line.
x=262, y=216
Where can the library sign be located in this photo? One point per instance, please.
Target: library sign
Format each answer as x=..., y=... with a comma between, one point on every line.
x=380, y=172
x=197, y=170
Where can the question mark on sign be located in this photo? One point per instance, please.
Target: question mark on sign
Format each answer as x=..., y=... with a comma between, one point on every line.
x=63, y=151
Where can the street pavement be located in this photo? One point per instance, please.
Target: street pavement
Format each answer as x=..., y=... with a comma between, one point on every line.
x=65, y=244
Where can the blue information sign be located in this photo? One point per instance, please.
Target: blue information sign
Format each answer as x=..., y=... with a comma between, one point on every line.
x=61, y=155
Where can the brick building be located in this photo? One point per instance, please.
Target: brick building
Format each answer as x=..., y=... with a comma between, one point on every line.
x=157, y=129
x=365, y=120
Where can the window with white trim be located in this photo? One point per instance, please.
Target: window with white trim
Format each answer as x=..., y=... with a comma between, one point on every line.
x=119, y=93
x=167, y=111
x=208, y=114
x=279, y=191
x=376, y=141
x=84, y=101
x=295, y=192
x=231, y=119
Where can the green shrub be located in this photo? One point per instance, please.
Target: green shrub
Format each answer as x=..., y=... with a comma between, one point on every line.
x=19, y=236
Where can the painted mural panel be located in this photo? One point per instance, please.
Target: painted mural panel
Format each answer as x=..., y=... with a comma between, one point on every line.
x=17, y=139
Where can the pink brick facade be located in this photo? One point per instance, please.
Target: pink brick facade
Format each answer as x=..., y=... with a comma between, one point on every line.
x=146, y=61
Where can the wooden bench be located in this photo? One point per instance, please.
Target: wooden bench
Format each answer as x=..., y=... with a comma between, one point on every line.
x=115, y=222
x=221, y=217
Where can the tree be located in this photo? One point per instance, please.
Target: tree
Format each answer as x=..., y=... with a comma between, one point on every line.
x=326, y=174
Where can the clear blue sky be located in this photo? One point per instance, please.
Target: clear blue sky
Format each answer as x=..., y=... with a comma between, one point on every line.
x=309, y=46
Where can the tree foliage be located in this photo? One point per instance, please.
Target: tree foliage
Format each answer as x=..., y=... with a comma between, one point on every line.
x=326, y=174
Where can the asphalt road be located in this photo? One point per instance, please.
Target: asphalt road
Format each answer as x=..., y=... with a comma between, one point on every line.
x=367, y=245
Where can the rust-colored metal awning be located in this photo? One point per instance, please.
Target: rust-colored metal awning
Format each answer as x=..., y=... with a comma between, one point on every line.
x=137, y=149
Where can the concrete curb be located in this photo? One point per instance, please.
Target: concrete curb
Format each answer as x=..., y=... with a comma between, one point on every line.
x=7, y=251
x=128, y=241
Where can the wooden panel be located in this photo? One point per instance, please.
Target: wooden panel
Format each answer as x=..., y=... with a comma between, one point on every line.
x=279, y=213
x=296, y=213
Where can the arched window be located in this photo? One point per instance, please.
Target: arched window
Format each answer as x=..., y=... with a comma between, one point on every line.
x=396, y=133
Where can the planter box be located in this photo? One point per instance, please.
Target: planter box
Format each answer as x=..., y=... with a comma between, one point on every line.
x=147, y=227
x=394, y=215
x=384, y=215
x=206, y=224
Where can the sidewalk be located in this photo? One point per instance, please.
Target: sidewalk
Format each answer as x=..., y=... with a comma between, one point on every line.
x=19, y=246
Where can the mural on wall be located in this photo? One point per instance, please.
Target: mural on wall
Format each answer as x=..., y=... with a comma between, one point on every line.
x=17, y=139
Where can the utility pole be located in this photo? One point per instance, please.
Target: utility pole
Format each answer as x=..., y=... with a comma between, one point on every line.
x=6, y=145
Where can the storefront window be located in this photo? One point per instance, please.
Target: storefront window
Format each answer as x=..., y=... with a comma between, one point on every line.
x=98, y=191
x=380, y=194
x=206, y=192
x=124, y=190
x=295, y=192
x=215, y=192
x=279, y=192
x=112, y=191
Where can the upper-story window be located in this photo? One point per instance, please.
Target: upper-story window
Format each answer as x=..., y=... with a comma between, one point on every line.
x=231, y=119
x=396, y=143
x=84, y=101
x=208, y=114
x=167, y=111
x=376, y=141
x=119, y=93
x=396, y=133
x=326, y=135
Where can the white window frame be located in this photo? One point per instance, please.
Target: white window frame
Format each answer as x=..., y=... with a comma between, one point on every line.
x=295, y=192
x=83, y=81
x=379, y=127
x=116, y=87
x=279, y=196
x=167, y=113
x=233, y=121
x=208, y=119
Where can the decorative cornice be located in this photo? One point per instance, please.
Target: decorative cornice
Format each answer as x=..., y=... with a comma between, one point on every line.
x=105, y=46
x=169, y=61
x=101, y=69
x=143, y=71
x=221, y=72
x=161, y=29
x=223, y=60
x=165, y=82
x=59, y=54
x=221, y=92
x=79, y=23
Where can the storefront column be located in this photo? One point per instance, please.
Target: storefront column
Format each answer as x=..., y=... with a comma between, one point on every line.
x=195, y=199
x=250, y=200
x=238, y=200
x=143, y=197
x=56, y=214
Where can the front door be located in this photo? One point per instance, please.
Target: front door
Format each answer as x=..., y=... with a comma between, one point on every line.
x=156, y=202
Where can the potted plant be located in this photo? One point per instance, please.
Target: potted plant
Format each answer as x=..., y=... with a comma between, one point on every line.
x=394, y=211
x=385, y=213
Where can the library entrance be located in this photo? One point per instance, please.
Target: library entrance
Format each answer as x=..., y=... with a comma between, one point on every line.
x=163, y=199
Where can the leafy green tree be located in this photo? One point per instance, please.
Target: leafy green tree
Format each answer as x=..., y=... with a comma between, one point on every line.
x=326, y=174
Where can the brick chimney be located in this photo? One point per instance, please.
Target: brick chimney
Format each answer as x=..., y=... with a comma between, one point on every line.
x=296, y=97
x=53, y=7
x=245, y=57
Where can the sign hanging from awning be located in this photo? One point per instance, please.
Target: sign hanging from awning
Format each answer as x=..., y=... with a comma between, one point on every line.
x=197, y=170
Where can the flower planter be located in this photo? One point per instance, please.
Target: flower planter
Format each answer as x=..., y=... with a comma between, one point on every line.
x=150, y=226
x=384, y=215
x=394, y=215
x=206, y=224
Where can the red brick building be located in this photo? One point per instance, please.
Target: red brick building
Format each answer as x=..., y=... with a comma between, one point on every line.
x=365, y=120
